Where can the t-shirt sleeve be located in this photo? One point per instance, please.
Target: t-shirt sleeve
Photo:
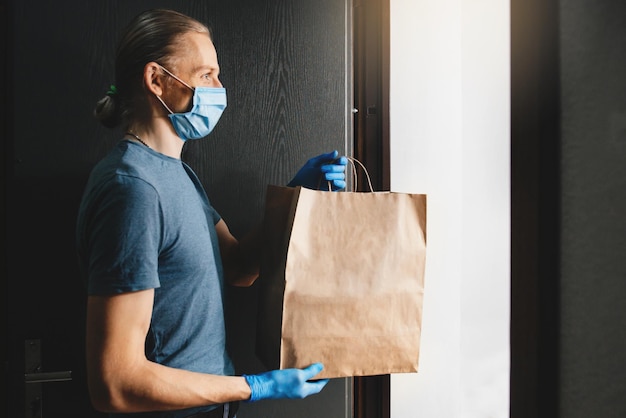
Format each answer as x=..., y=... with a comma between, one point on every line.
x=124, y=237
x=214, y=215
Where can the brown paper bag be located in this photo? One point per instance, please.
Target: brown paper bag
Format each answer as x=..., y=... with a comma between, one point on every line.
x=342, y=281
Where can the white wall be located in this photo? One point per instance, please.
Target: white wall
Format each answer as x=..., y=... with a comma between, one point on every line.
x=449, y=104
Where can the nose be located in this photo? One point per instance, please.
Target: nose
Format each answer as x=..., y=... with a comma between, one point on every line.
x=218, y=83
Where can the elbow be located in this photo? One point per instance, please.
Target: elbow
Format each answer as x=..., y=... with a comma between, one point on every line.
x=107, y=397
x=240, y=274
x=242, y=279
x=101, y=400
x=101, y=404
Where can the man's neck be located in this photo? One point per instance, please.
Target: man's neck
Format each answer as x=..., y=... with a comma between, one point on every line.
x=160, y=136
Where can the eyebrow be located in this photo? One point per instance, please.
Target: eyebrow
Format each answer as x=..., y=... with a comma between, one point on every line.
x=204, y=68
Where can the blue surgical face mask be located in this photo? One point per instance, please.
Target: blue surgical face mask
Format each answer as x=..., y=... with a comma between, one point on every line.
x=208, y=105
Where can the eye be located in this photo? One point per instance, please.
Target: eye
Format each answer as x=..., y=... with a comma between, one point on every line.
x=211, y=78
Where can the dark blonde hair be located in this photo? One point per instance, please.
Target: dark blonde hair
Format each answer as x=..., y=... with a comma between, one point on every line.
x=150, y=36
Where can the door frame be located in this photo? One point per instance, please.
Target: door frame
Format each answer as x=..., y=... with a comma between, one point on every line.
x=371, y=51
x=535, y=208
x=371, y=57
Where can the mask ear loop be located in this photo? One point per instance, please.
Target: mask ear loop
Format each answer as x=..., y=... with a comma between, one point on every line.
x=164, y=105
x=175, y=77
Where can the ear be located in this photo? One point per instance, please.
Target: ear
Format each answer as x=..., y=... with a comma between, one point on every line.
x=153, y=78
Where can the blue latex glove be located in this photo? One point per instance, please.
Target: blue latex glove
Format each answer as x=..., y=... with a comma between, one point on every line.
x=288, y=383
x=320, y=170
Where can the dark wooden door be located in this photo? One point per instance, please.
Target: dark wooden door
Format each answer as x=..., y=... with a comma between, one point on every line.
x=286, y=67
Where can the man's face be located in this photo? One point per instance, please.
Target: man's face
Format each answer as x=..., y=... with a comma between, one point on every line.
x=196, y=64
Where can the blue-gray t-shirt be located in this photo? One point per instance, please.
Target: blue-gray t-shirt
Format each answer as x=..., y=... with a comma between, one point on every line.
x=145, y=222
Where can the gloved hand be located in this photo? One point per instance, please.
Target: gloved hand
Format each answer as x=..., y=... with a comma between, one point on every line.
x=320, y=170
x=288, y=383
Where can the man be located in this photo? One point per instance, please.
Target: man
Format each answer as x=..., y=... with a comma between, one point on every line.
x=154, y=251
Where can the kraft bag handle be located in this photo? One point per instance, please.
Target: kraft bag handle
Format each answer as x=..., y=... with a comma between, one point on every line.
x=354, y=173
x=353, y=164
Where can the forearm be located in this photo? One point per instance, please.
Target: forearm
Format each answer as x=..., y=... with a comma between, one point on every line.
x=153, y=387
x=120, y=376
x=122, y=380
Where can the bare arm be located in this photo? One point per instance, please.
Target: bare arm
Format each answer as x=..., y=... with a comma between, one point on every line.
x=122, y=379
x=241, y=259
